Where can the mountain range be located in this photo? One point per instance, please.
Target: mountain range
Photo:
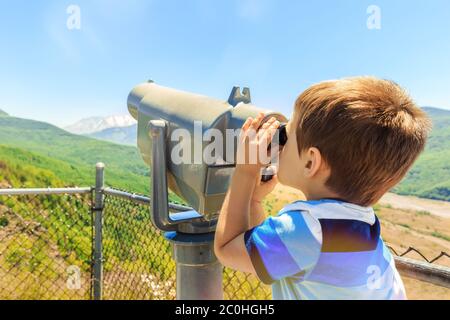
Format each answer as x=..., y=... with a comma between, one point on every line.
x=28, y=144
x=121, y=135
x=97, y=124
x=31, y=144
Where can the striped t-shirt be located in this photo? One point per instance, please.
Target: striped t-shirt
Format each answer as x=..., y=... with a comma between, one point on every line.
x=325, y=249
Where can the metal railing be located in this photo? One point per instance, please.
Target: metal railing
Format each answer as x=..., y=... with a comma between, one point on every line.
x=100, y=243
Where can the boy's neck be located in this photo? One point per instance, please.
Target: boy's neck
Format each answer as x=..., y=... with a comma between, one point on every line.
x=322, y=194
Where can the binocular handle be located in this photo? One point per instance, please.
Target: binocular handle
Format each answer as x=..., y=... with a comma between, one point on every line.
x=267, y=174
x=160, y=215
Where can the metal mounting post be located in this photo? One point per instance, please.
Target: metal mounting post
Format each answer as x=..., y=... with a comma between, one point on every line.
x=199, y=273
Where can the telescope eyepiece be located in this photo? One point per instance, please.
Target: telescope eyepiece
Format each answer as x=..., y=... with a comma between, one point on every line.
x=282, y=135
x=279, y=139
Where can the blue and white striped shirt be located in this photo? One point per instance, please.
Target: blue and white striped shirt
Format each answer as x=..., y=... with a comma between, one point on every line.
x=325, y=249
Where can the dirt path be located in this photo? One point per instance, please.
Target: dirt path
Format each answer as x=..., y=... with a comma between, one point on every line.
x=436, y=207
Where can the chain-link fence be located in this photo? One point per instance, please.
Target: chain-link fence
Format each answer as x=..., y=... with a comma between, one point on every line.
x=47, y=240
x=45, y=246
x=137, y=258
x=441, y=256
x=46, y=250
x=242, y=286
x=138, y=261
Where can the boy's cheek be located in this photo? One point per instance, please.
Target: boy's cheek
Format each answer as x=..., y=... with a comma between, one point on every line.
x=283, y=174
x=289, y=165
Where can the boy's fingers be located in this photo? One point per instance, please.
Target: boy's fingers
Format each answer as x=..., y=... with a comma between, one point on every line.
x=243, y=135
x=270, y=132
x=274, y=180
x=257, y=121
x=247, y=124
x=270, y=185
x=265, y=127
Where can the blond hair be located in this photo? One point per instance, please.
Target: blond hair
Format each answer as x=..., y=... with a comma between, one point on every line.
x=369, y=132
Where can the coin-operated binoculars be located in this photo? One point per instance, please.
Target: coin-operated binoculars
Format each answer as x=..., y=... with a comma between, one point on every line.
x=174, y=130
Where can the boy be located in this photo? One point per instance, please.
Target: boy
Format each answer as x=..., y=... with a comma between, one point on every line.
x=349, y=142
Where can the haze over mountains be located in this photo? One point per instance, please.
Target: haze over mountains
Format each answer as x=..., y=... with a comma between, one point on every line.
x=121, y=135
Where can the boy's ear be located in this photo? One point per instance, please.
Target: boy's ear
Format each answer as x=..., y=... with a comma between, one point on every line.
x=313, y=162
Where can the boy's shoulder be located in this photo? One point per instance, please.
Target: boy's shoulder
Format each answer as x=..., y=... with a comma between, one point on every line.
x=293, y=242
x=330, y=209
x=337, y=225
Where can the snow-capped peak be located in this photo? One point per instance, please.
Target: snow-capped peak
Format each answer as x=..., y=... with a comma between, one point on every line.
x=96, y=124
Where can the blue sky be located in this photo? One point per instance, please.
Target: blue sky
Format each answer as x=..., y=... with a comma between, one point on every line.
x=277, y=48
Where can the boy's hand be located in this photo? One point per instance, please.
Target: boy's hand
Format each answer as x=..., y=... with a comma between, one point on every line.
x=262, y=189
x=254, y=140
x=235, y=218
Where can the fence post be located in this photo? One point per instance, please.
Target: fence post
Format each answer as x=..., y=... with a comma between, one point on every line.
x=98, y=224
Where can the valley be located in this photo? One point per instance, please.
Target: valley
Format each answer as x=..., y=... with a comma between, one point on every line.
x=36, y=154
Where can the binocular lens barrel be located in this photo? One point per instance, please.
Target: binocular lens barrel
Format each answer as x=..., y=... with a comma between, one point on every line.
x=282, y=135
x=203, y=185
x=279, y=139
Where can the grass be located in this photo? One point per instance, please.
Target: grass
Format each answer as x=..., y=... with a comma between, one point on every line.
x=440, y=236
x=4, y=222
x=422, y=213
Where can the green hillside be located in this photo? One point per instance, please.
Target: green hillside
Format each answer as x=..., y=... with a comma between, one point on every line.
x=3, y=113
x=72, y=158
x=430, y=176
x=41, y=237
x=21, y=168
x=58, y=228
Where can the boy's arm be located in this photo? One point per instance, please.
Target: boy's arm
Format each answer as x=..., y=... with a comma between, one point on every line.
x=257, y=214
x=235, y=219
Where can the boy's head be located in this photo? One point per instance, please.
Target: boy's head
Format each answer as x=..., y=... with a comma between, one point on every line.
x=353, y=139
